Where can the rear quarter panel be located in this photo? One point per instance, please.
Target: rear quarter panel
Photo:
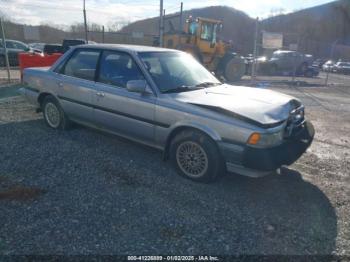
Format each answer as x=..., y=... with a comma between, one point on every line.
x=39, y=80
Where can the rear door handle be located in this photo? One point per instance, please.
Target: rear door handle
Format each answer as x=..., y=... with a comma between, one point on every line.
x=60, y=84
x=101, y=94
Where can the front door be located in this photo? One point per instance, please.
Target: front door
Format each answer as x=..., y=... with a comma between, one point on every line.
x=126, y=113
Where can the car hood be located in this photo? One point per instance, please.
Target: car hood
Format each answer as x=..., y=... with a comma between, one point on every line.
x=259, y=106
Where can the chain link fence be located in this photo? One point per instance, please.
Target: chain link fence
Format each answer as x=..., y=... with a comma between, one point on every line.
x=35, y=37
x=315, y=71
x=298, y=60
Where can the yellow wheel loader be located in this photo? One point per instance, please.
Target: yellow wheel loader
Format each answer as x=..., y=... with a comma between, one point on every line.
x=200, y=39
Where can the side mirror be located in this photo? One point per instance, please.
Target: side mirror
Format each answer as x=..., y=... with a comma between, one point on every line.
x=136, y=86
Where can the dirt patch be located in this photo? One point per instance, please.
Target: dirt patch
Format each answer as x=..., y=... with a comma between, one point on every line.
x=16, y=109
x=21, y=193
x=10, y=90
x=171, y=233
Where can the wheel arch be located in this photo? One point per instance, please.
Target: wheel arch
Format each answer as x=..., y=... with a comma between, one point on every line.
x=43, y=95
x=213, y=135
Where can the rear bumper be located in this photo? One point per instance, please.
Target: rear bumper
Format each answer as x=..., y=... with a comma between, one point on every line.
x=30, y=94
x=257, y=162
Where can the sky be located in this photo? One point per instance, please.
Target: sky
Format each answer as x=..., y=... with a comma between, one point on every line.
x=106, y=12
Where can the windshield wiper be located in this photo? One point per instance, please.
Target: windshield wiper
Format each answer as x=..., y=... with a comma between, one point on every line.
x=180, y=89
x=207, y=84
x=185, y=88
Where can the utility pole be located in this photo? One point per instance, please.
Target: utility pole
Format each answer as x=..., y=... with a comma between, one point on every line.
x=5, y=49
x=161, y=24
x=295, y=62
x=331, y=57
x=103, y=34
x=253, y=76
x=85, y=23
x=181, y=14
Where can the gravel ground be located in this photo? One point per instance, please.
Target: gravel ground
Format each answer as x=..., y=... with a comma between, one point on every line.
x=85, y=192
x=15, y=75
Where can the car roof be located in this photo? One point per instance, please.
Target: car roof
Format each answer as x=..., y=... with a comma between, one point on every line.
x=130, y=48
x=11, y=40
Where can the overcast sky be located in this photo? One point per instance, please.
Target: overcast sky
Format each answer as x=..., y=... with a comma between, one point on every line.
x=65, y=12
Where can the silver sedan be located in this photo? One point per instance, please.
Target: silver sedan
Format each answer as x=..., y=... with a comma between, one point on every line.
x=165, y=99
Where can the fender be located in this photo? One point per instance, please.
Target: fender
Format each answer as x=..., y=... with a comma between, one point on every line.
x=177, y=127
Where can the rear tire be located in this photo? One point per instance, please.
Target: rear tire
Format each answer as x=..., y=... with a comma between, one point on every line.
x=302, y=69
x=53, y=114
x=196, y=156
x=273, y=70
x=309, y=73
x=2, y=61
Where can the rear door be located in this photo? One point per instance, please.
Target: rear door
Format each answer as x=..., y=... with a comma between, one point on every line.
x=75, y=81
x=126, y=113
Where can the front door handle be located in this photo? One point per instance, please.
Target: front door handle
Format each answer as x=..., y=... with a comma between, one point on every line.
x=60, y=84
x=101, y=94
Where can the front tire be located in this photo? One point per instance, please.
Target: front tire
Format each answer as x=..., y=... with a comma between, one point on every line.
x=53, y=114
x=196, y=156
x=234, y=69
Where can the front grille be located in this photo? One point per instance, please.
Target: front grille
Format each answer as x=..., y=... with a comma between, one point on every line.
x=295, y=122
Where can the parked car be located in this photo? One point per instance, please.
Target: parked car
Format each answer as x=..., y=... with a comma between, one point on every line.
x=39, y=47
x=13, y=49
x=68, y=43
x=341, y=68
x=166, y=99
x=249, y=60
x=318, y=63
x=286, y=62
x=328, y=66
x=46, y=48
x=52, y=48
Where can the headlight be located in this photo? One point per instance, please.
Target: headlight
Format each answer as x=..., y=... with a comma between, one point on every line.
x=266, y=140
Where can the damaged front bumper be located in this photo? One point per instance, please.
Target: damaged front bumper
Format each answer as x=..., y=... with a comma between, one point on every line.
x=256, y=162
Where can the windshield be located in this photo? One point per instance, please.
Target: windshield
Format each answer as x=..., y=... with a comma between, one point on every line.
x=175, y=70
x=207, y=31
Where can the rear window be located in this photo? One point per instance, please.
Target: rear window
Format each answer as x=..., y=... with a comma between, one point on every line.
x=82, y=64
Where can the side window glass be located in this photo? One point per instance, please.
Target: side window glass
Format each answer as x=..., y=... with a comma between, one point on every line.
x=15, y=45
x=9, y=44
x=82, y=64
x=117, y=69
x=21, y=46
x=18, y=46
